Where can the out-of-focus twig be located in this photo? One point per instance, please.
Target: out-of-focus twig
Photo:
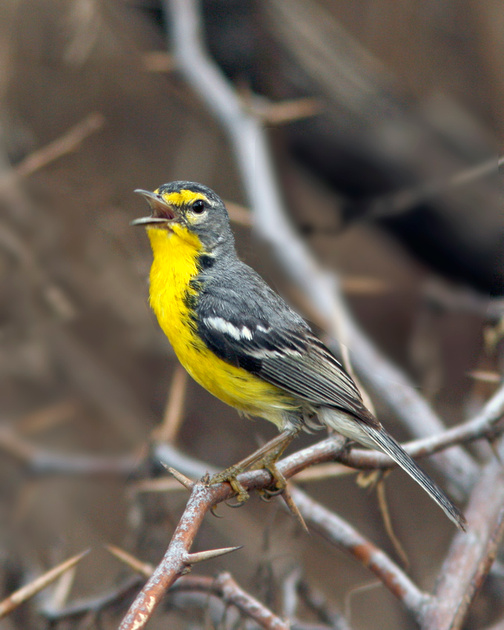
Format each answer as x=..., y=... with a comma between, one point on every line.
x=95, y=604
x=67, y=143
x=317, y=603
x=158, y=61
x=239, y=214
x=42, y=462
x=174, y=410
x=461, y=299
x=283, y=112
x=471, y=555
x=258, y=174
x=47, y=417
x=405, y=200
x=144, y=568
x=28, y=591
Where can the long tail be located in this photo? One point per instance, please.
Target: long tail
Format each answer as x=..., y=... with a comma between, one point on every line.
x=387, y=444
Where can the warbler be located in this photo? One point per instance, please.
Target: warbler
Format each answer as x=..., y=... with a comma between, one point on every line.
x=241, y=341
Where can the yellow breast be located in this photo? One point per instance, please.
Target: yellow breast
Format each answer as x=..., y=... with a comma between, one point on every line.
x=175, y=265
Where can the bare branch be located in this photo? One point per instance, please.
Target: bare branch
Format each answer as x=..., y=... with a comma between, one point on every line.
x=335, y=529
x=28, y=591
x=67, y=143
x=172, y=418
x=405, y=200
x=40, y=461
x=223, y=587
x=173, y=564
x=471, y=555
x=247, y=604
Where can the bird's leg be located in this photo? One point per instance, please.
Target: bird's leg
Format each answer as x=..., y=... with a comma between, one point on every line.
x=264, y=457
x=270, y=459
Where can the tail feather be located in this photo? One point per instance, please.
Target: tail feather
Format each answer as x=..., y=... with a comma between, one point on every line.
x=388, y=445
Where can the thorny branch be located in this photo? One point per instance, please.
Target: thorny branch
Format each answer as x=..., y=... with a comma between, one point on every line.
x=178, y=557
x=470, y=556
x=332, y=527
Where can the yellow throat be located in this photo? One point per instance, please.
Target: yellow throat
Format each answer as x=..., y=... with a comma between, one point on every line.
x=172, y=289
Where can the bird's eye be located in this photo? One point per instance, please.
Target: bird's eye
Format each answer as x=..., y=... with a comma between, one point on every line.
x=198, y=207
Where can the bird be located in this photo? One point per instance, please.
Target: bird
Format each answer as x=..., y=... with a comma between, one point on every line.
x=243, y=343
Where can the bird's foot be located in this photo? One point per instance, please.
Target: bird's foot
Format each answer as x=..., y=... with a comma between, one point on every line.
x=230, y=475
x=279, y=482
x=264, y=457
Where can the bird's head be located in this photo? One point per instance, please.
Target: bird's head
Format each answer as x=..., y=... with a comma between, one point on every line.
x=189, y=211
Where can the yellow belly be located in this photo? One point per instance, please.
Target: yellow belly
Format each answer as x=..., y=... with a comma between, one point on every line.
x=175, y=256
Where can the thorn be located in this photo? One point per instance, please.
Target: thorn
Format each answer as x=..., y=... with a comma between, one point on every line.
x=185, y=481
x=158, y=62
x=286, y=112
x=293, y=508
x=201, y=556
x=485, y=376
x=28, y=591
x=144, y=568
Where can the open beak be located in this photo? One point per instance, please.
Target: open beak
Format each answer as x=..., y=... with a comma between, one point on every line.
x=161, y=211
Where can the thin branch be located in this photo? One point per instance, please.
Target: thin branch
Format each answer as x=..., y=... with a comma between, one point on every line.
x=174, y=410
x=471, y=555
x=318, y=604
x=335, y=529
x=94, y=604
x=339, y=532
x=462, y=299
x=404, y=200
x=42, y=462
x=174, y=563
x=34, y=587
x=224, y=587
x=231, y=593
x=67, y=143
x=282, y=112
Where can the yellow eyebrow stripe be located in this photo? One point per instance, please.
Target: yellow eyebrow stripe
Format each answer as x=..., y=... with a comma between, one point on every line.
x=183, y=197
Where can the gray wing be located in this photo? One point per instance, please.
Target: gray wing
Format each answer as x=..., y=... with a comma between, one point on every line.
x=248, y=325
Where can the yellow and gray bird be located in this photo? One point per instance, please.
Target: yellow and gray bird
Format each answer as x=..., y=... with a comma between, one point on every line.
x=241, y=341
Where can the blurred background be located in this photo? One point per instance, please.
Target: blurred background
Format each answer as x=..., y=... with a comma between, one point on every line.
x=365, y=103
